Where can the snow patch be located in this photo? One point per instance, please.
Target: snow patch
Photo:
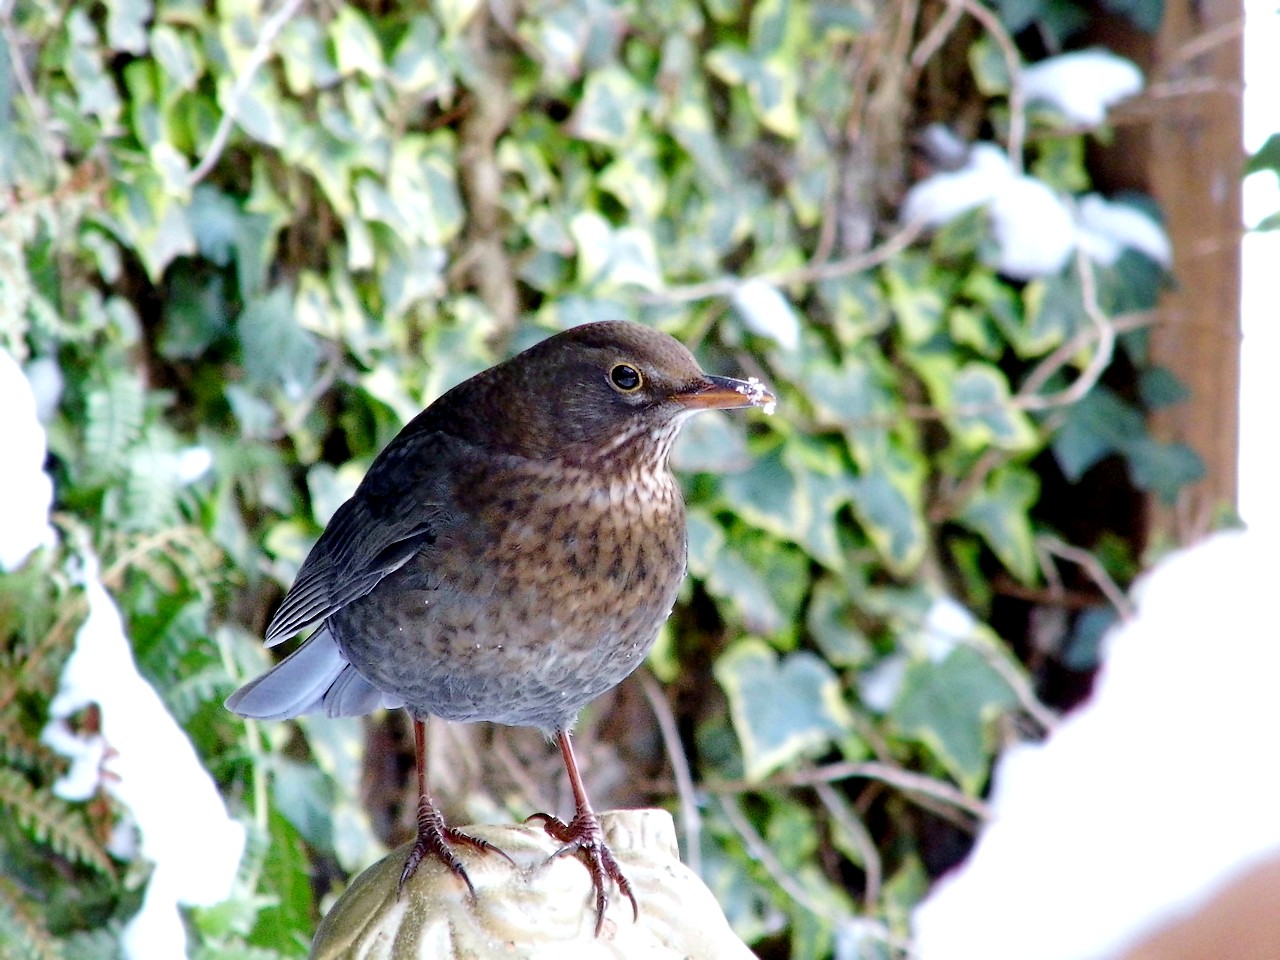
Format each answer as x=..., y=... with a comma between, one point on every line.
x=1077, y=860
x=1036, y=231
x=766, y=311
x=1082, y=85
x=1107, y=228
x=1033, y=228
x=25, y=489
x=145, y=760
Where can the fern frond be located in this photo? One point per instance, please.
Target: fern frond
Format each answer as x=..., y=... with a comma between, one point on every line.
x=20, y=749
x=51, y=820
x=101, y=943
x=114, y=411
x=23, y=933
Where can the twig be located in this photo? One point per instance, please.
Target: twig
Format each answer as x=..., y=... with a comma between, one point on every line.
x=1103, y=331
x=764, y=854
x=904, y=780
x=937, y=35
x=1017, y=682
x=39, y=112
x=1013, y=63
x=690, y=816
x=257, y=57
x=725, y=286
x=518, y=772
x=1204, y=43
x=859, y=835
x=1049, y=546
x=958, y=493
x=1060, y=357
x=1105, y=334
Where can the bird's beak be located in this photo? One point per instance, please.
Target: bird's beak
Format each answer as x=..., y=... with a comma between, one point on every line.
x=725, y=393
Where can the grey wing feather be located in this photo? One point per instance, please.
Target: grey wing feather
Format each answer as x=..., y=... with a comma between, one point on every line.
x=351, y=695
x=295, y=685
x=365, y=541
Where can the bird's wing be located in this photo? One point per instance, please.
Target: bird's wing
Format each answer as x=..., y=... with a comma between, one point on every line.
x=314, y=678
x=394, y=513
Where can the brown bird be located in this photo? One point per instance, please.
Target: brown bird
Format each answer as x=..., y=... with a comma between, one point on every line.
x=508, y=557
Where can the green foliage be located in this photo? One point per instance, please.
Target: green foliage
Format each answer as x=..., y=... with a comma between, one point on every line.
x=254, y=255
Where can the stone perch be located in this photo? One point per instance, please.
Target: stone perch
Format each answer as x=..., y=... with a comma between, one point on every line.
x=541, y=909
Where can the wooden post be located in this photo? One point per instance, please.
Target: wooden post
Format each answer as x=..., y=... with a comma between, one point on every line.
x=1196, y=162
x=1182, y=142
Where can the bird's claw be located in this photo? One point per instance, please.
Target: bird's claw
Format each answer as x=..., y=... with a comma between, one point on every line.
x=437, y=839
x=583, y=838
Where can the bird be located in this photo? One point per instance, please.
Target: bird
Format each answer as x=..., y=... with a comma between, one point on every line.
x=508, y=557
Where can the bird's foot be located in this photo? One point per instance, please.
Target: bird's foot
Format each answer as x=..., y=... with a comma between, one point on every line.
x=583, y=838
x=435, y=838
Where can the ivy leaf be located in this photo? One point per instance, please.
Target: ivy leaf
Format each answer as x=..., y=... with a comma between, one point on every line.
x=1000, y=513
x=1267, y=157
x=990, y=70
x=986, y=418
x=768, y=496
x=96, y=93
x=771, y=85
x=151, y=221
x=1160, y=388
x=712, y=442
x=612, y=258
x=274, y=349
x=886, y=501
x=304, y=796
x=126, y=25
x=1163, y=468
x=1052, y=310
x=730, y=577
x=947, y=706
x=831, y=624
x=783, y=709
x=1099, y=424
x=355, y=45
x=305, y=55
x=706, y=539
x=915, y=297
x=611, y=107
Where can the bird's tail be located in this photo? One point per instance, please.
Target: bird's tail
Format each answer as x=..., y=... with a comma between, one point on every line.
x=315, y=678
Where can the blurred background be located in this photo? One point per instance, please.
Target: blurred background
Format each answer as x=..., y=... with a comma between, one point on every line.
x=988, y=257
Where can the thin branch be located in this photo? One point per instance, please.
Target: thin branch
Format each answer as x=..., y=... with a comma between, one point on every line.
x=951, y=498
x=1018, y=683
x=905, y=780
x=859, y=835
x=1064, y=353
x=857, y=263
x=257, y=57
x=1203, y=43
x=1049, y=546
x=1105, y=334
x=1013, y=64
x=937, y=35
x=39, y=110
x=690, y=816
x=725, y=286
x=1103, y=331
x=518, y=771
x=764, y=854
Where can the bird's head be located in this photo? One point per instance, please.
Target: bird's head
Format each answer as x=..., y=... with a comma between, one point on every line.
x=596, y=392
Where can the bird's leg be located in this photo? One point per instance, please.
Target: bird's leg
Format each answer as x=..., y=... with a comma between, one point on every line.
x=583, y=838
x=434, y=836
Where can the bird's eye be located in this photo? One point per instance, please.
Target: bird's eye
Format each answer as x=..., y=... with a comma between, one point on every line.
x=626, y=378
